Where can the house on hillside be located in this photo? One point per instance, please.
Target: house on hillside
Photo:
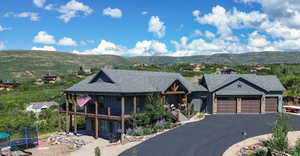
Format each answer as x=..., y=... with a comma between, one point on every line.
x=109, y=98
x=7, y=84
x=197, y=67
x=114, y=95
x=85, y=69
x=228, y=71
x=37, y=107
x=50, y=78
x=141, y=65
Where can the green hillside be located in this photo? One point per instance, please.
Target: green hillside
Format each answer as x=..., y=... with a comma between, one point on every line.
x=16, y=62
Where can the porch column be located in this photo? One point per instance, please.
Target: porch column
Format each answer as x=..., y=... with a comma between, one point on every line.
x=134, y=105
x=280, y=103
x=96, y=119
x=214, y=104
x=263, y=104
x=85, y=108
x=67, y=114
x=238, y=105
x=122, y=119
x=187, y=105
x=71, y=116
x=75, y=118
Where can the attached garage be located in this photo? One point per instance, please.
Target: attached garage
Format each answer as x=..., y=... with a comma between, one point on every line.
x=226, y=105
x=250, y=105
x=271, y=104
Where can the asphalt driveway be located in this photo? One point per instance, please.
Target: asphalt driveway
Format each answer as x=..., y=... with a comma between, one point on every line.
x=209, y=137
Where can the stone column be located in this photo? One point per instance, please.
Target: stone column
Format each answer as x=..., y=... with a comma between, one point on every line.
x=280, y=103
x=263, y=104
x=214, y=104
x=238, y=105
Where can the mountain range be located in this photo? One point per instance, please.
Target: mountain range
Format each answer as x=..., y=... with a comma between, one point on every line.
x=40, y=62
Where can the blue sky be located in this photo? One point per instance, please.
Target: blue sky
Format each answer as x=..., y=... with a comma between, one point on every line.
x=135, y=27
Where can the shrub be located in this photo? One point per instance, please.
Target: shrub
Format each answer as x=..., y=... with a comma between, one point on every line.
x=147, y=131
x=281, y=128
x=297, y=147
x=261, y=151
x=97, y=151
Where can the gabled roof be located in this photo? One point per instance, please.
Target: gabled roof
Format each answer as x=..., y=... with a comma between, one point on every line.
x=131, y=81
x=265, y=82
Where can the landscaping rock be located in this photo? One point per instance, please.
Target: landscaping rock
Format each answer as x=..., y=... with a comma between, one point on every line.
x=66, y=139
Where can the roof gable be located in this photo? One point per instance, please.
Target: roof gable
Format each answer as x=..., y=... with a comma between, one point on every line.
x=240, y=87
x=266, y=82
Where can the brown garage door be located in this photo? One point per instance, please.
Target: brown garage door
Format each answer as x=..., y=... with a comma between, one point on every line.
x=226, y=105
x=250, y=105
x=271, y=104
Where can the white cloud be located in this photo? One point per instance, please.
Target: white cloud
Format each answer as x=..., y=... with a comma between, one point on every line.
x=46, y=48
x=225, y=21
x=31, y=15
x=203, y=47
x=145, y=12
x=66, y=41
x=72, y=9
x=196, y=13
x=209, y=34
x=39, y=3
x=85, y=42
x=142, y=48
x=49, y=7
x=277, y=29
x=105, y=47
x=197, y=33
x=257, y=40
x=2, y=46
x=44, y=38
x=2, y=28
x=157, y=27
x=114, y=13
x=149, y=48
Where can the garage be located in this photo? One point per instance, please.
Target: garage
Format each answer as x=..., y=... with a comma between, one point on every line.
x=250, y=105
x=226, y=105
x=271, y=104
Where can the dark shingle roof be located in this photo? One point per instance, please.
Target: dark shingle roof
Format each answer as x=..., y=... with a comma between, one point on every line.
x=266, y=82
x=132, y=81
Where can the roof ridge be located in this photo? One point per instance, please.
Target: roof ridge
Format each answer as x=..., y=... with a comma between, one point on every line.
x=137, y=71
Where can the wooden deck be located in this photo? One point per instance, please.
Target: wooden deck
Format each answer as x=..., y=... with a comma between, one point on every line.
x=100, y=116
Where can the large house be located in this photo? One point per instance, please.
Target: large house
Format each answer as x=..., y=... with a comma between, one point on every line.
x=108, y=98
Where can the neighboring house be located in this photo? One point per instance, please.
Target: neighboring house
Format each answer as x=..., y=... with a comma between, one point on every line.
x=197, y=67
x=141, y=65
x=37, y=107
x=243, y=93
x=228, y=71
x=49, y=78
x=114, y=95
x=7, y=83
x=86, y=69
x=117, y=94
